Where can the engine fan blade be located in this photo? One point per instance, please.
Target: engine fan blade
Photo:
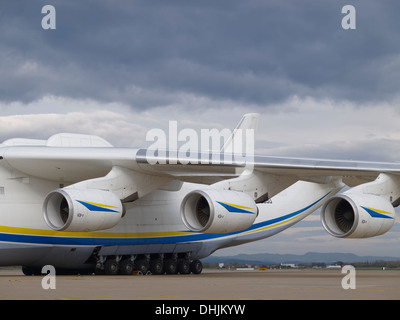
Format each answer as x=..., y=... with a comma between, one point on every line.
x=344, y=216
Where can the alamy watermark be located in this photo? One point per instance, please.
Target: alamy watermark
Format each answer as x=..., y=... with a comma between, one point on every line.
x=349, y=20
x=211, y=146
x=349, y=280
x=49, y=281
x=49, y=20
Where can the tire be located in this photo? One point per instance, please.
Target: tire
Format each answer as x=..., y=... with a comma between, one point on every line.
x=156, y=266
x=111, y=267
x=126, y=267
x=31, y=271
x=184, y=266
x=142, y=266
x=196, y=267
x=171, y=266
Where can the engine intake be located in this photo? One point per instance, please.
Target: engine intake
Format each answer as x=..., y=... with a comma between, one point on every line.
x=218, y=211
x=357, y=215
x=81, y=210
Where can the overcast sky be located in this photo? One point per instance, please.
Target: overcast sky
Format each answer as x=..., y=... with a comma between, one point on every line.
x=120, y=68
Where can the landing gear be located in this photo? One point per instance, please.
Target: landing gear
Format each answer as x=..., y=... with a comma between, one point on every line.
x=156, y=264
x=142, y=266
x=31, y=271
x=111, y=267
x=171, y=266
x=184, y=266
x=196, y=267
x=126, y=267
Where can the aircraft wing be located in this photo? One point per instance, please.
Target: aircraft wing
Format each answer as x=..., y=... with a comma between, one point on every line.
x=71, y=159
x=73, y=164
x=352, y=172
x=323, y=167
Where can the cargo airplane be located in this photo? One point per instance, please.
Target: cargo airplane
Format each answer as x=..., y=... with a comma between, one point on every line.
x=81, y=205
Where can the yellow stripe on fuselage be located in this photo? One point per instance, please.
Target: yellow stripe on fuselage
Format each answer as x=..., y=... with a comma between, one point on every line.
x=43, y=232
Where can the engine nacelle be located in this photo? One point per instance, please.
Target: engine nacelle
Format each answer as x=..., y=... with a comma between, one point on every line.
x=81, y=210
x=357, y=215
x=218, y=211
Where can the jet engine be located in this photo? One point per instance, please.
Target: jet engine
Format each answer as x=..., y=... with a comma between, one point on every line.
x=70, y=209
x=357, y=215
x=218, y=211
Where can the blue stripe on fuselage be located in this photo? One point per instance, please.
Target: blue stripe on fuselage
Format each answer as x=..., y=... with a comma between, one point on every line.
x=97, y=241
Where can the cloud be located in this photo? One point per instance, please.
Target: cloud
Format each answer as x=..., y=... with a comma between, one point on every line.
x=111, y=121
x=297, y=127
x=254, y=52
x=325, y=128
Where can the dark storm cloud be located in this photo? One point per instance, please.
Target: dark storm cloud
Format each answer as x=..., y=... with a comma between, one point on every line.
x=260, y=52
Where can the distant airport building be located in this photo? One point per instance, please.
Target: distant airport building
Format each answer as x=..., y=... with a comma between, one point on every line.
x=334, y=266
x=289, y=265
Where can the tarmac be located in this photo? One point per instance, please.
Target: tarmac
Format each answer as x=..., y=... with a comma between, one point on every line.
x=289, y=284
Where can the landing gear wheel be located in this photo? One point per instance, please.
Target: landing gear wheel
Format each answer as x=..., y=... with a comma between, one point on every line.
x=111, y=267
x=142, y=266
x=184, y=266
x=126, y=267
x=196, y=267
x=31, y=271
x=156, y=266
x=171, y=266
